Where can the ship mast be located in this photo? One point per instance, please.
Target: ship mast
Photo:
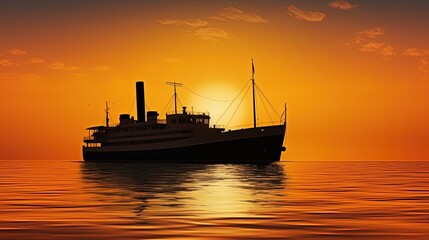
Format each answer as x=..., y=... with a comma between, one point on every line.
x=174, y=84
x=253, y=90
x=107, y=114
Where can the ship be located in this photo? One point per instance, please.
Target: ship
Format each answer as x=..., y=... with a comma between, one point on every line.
x=182, y=136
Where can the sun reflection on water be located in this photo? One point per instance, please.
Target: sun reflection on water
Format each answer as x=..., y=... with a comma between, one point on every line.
x=312, y=200
x=209, y=190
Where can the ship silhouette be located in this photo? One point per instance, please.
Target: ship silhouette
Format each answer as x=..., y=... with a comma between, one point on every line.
x=182, y=137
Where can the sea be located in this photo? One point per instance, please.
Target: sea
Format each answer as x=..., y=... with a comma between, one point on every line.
x=45, y=199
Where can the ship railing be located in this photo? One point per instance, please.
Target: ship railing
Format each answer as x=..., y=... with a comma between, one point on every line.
x=161, y=121
x=262, y=124
x=91, y=138
x=190, y=113
x=217, y=126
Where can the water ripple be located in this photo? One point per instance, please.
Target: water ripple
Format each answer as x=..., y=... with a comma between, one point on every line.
x=288, y=200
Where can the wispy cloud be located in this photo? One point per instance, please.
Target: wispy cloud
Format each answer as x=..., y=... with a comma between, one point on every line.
x=371, y=47
x=81, y=75
x=201, y=30
x=424, y=65
x=8, y=63
x=62, y=66
x=305, y=15
x=16, y=51
x=385, y=50
x=69, y=67
x=18, y=76
x=423, y=54
x=415, y=52
x=372, y=32
x=36, y=61
x=366, y=42
x=173, y=60
x=342, y=4
x=188, y=22
x=214, y=34
x=236, y=14
x=101, y=68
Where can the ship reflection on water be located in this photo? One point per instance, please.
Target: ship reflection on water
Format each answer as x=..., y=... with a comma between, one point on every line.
x=296, y=200
x=359, y=200
x=184, y=195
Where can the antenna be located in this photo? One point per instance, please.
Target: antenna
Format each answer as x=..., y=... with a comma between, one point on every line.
x=174, y=84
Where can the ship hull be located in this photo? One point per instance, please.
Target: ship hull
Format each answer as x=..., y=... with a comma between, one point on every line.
x=255, y=149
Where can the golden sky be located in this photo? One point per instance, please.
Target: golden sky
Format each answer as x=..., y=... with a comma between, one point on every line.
x=354, y=73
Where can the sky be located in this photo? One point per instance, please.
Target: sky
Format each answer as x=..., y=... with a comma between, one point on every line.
x=354, y=74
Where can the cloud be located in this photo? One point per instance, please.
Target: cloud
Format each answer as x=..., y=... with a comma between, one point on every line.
x=372, y=32
x=211, y=33
x=16, y=51
x=424, y=65
x=36, y=60
x=365, y=42
x=368, y=33
x=371, y=47
x=188, y=22
x=342, y=4
x=81, y=75
x=62, y=66
x=236, y=14
x=217, y=18
x=415, y=52
x=382, y=48
x=173, y=60
x=8, y=63
x=387, y=51
x=18, y=76
x=423, y=54
x=359, y=39
x=305, y=15
x=101, y=68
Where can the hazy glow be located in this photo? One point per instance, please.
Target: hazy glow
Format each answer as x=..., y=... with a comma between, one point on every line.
x=355, y=78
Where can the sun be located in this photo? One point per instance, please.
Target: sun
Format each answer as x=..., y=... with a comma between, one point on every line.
x=220, y=101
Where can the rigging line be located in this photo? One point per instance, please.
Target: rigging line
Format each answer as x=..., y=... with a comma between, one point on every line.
x=232, y=102
x=263, y=104
x=238, y=106
x=212, y=99
x=168, y=107
x=148, y=108
x=267, y=100
x=281, y=117
x=189, y=99
x=132, y=105
x=179, y=101
x=168, y=104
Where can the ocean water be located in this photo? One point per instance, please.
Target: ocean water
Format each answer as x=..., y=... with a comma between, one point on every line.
x=287, y=200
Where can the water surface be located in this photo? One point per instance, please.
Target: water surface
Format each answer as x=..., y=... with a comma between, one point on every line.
x=287, y=200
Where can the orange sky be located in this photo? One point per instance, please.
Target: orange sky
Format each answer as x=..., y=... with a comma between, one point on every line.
x=354, y=74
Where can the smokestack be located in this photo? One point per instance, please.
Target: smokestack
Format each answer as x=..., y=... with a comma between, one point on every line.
x=141, y=112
